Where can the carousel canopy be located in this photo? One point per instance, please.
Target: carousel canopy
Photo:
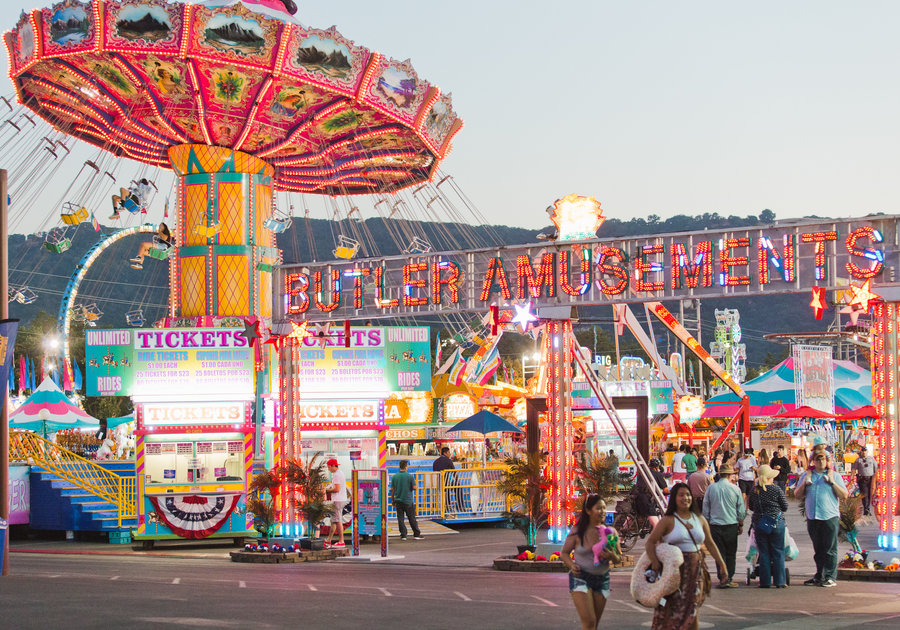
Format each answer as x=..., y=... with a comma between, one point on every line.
x=48, y=409
x=773, y=392
x=141, y=76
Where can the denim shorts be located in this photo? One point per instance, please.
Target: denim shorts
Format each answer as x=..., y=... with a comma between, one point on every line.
x=589, y=581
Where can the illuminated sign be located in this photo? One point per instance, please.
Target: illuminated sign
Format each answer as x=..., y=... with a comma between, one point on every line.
x=341, y=411
x=406, y=434
x=324, y=415
x=168, y=362
x=459, y=407
x=379, y=360
x=181, y=414
x=788, y=258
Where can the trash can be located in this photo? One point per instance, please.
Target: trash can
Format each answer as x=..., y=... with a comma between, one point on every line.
x=3, y=526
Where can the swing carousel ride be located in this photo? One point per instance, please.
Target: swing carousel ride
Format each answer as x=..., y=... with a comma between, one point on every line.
x=250, y=110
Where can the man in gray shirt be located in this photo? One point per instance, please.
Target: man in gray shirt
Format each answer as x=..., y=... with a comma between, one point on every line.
x=865, y=469
x=723, y=507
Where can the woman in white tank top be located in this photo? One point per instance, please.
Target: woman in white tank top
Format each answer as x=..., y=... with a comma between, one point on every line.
x=684, y=529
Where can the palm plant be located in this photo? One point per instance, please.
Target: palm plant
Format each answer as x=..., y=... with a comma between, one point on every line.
x=525, y=486
x=601, y=476
x=309, y=482
x=262, y=508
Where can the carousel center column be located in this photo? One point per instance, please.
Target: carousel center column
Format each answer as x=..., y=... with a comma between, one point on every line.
x=886, y=398
x=223, y=263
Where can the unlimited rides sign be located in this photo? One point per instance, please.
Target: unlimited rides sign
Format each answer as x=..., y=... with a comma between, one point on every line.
x=789, y=258
x=168, y=362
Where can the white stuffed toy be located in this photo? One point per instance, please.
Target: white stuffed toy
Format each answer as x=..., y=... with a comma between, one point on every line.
x=106, y=449
x=122, y=441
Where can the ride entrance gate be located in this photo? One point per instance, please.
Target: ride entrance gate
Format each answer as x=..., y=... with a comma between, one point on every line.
x=548, y=279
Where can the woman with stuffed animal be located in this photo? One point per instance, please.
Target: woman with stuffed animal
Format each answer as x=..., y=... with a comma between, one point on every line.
x=587, y=552
x=687, y=530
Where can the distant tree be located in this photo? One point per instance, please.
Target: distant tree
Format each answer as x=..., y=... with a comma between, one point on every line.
x=766, y=216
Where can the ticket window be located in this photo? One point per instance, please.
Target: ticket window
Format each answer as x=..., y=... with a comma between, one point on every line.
x=351, y=453
x=187, y=462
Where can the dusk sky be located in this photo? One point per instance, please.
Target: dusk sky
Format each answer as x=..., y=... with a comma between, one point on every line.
x=653, y=107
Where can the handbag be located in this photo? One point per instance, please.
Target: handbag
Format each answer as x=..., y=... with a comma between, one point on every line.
x=766, y=524
x=705, y=578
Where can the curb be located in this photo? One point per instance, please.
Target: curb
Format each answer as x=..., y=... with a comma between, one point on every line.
x=151, y=554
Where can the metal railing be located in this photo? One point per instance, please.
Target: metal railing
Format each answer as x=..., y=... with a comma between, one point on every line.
x=469, y=493
x=80, y=472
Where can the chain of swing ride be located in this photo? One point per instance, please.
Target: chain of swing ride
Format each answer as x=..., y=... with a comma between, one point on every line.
x=436, y=215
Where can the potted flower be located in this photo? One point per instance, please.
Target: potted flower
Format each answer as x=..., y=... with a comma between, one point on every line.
x=309, y=482
x=525, y=486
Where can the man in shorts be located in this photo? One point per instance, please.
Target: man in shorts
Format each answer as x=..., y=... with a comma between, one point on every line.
x=746, y=468
x=338, y=491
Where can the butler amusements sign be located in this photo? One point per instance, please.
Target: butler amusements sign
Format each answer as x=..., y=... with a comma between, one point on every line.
x=786, y=257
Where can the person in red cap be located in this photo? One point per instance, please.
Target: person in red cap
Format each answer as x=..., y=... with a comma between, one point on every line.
x=338, y=492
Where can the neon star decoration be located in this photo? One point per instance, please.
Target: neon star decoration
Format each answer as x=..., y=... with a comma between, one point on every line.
x=859, y=303
x=863, y=296
x=299, y=331
x=818, y=301
x=523, y=316
x=275, y=340
x=251, y=331
x=576, y=217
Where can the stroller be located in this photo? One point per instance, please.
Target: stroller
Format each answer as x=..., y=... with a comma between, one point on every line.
x=790, y=552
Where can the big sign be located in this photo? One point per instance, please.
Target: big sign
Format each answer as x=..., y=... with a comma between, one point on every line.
x=163, y=362
x=782, y=258
x=379, y=360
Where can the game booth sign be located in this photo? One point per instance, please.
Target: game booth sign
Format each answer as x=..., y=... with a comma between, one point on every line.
x=193, y=390
x=539, y=284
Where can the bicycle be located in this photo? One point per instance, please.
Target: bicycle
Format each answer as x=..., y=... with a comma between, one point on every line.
x=629, y=524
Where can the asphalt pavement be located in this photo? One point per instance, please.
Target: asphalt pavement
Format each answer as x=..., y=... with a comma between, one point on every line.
x=439, y=582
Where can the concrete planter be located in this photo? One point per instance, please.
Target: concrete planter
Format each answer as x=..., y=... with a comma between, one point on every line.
x=869, y=575
x=289, y=557
x=510, y=563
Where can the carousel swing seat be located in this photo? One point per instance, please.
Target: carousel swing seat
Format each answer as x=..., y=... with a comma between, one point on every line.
x=207, y=231
x=73, y=213
x=135, y=318
x=347, y=248
x=418, y=245
x=159, y=254
x=277, y=223
x=58, y=240
x=26, y=296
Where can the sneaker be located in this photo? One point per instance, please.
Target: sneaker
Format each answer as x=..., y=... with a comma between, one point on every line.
x=114, y=216
x=814, y=581
x=135, y=260
x=338, y=545
x=403, y=538
x=732, y=584
x=418, y=538
x=828, y=583
x=137, y=266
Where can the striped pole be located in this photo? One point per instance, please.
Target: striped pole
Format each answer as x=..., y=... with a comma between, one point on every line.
x=139, y=472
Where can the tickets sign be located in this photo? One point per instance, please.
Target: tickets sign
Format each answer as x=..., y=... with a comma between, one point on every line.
x=168, y=362
x=379, y=360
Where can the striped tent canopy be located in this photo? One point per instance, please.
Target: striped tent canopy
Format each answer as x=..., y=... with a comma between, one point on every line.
x=773, y=392
x=48, y=410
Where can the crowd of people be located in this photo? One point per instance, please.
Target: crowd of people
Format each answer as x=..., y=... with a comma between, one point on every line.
x=708, y=504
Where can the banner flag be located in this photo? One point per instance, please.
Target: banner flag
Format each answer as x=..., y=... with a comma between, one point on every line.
x=8, y=329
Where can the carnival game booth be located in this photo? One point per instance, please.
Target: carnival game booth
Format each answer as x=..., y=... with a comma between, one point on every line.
x=193, y=390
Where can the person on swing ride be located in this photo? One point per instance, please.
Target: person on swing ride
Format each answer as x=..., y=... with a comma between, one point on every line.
x=132, y=199
x=162, y=241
